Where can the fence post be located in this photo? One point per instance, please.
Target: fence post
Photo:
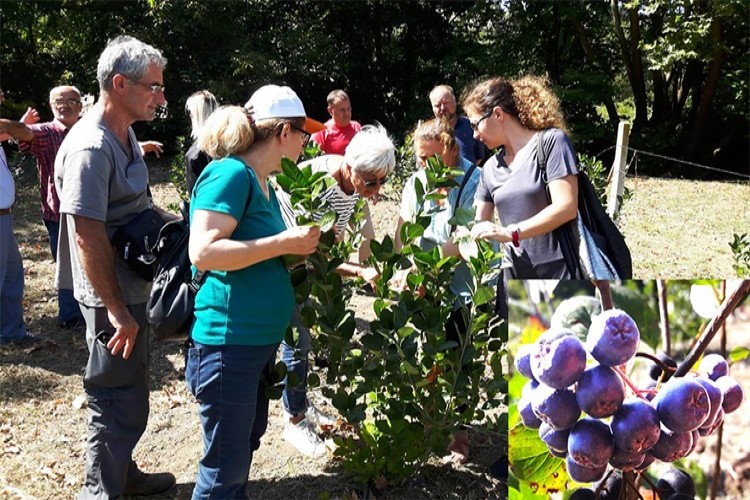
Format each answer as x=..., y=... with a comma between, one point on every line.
x=618, y=168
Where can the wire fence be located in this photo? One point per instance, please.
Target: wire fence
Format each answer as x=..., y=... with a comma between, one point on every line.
x=636, y=152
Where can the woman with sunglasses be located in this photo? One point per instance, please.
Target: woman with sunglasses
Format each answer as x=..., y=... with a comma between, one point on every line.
x=369, y=159
x=245, y=302
x=511, y=113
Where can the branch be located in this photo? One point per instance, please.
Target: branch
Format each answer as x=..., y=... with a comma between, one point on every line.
x=661, y=287
x=605, y=294
x=713, y=327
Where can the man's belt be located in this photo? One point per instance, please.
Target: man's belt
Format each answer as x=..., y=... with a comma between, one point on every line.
x=6, y=211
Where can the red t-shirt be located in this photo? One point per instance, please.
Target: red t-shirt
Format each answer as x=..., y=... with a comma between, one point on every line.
x=333, y=140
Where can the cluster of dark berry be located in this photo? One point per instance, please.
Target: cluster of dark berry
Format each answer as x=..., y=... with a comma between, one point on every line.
x=624, y=427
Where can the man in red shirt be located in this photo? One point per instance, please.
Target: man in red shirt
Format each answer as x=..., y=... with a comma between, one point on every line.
x=340, y=129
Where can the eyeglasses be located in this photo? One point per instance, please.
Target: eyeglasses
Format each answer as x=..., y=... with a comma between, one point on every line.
x=372, y=184
x=305, y=134
x=153, y=87
x=475, y=125
x=69, y=102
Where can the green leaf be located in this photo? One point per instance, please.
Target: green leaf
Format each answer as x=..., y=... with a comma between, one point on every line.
x=483, y=295
x=738, y=354
x=327, y=221
x=463, y=217
x=532, y=463
x=576, y=314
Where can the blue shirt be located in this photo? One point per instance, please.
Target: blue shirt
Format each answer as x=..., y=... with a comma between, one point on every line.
x=468, y=147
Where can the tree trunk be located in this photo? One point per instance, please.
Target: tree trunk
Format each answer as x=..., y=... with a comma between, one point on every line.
x=702, y=119
x=588, y=51
x=631, y=57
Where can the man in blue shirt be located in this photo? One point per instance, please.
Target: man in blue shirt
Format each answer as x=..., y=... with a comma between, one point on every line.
x=443, y=102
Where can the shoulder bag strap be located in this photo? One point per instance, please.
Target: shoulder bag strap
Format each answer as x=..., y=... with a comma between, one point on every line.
x=563, y=232
x=467, y=175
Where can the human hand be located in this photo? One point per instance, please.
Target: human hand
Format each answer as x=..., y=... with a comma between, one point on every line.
x=398, y=282
x=486, y=230
x=126, y=331
x=151, y=147
x=301, y=240
x=370, y=275
x=30, y=117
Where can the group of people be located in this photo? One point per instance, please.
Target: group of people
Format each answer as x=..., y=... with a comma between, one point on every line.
x=241, y=227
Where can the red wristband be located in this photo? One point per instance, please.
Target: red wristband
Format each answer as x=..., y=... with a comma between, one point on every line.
x=515, y=236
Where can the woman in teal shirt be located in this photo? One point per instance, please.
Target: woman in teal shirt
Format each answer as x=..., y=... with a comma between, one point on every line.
x=246, y=300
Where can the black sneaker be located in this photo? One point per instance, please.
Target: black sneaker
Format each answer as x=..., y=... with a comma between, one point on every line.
x=144, y=484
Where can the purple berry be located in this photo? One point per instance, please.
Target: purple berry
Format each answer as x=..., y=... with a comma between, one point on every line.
x=528, y=417
x=672, y=445
x=714, y=366
x=600, y=391
x=590, y=443
x=733, y=393
x=676, y=481
x=557, y=453
x=523, y=356
x=682, y=404
x=613, y=337
x=557, y=440
x=626, y=460
x=715, y=398
x=557, y=407
x=635, y=426
x=581, y=474
x=559, y=359
x=648, y=459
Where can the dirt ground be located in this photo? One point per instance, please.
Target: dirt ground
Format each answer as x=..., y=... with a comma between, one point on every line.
x=43, y=420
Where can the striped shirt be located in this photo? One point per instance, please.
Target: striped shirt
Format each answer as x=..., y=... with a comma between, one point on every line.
x=343, y=204
x=47, y=139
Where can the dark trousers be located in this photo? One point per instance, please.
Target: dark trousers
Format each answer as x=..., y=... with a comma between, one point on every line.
x=117, y=393
x=68, y=310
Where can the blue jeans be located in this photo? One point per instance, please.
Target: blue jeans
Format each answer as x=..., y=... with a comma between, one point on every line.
x=66, y=302
x=12, y=326
x=228, y=383
x=295, y=397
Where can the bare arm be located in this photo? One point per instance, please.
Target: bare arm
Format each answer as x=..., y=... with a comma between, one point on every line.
x=98, y=262
x=397, y=243
x=564, y=206
x=17, y=130
x=368, y=233
x=211, y=248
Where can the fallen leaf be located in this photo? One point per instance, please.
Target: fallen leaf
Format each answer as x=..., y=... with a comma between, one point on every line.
x=80, y=402
x=14, y=450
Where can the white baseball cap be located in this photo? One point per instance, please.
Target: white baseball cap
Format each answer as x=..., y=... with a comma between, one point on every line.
x=273, y=101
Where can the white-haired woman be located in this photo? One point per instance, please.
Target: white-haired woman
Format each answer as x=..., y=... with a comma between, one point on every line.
x=199, y=107
x=370, y=158
x=246, y=299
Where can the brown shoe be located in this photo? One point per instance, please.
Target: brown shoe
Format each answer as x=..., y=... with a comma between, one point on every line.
x=143, y=484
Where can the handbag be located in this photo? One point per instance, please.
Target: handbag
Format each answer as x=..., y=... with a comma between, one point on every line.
x=135, y=240
x=592, y=245
x=172, y=300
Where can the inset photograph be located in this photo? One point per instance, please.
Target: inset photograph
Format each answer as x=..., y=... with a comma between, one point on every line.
x=632, y=389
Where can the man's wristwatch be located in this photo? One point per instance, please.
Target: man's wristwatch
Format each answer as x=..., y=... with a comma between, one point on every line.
x=515, y=235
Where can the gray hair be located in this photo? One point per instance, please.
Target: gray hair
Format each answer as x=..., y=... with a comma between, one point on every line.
x=199, y=106
x=126, y=56
x=63, y=88
x=336, y=95
x=371, y=151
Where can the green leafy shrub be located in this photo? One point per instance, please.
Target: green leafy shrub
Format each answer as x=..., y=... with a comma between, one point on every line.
x=741, y=253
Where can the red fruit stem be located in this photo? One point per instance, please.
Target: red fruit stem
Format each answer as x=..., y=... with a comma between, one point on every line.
x=605, y=294
x=664, y=367
x=620, y=370
x=713, y=327
x=628, y=477
x=654, y=489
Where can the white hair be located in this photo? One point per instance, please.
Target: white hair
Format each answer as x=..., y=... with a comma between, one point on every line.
x=371, y=151
x=126, y=56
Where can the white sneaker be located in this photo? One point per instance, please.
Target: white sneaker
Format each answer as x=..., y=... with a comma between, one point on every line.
x=302, y=436
x=317, y=417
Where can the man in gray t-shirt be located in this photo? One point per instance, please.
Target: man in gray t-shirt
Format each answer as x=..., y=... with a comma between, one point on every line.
x=102, y=182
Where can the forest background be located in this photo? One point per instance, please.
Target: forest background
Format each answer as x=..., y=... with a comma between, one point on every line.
x=677, y=70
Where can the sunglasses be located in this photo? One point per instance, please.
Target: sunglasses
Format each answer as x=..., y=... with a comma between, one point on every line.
x=153, y=87
x=475, y=125
x=305, y=134
x=372, y=184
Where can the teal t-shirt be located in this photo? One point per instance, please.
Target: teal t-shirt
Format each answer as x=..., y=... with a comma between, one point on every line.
x=250, y=306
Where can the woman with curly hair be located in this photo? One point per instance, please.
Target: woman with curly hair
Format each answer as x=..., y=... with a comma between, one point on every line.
x=511, y=113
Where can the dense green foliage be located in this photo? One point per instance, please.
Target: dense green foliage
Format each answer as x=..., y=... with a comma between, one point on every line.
x=677, y=69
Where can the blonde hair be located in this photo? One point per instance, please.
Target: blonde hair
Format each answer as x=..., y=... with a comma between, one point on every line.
x=229, y=130
x=529, y=99
x=436, y=129
x=199, y=106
